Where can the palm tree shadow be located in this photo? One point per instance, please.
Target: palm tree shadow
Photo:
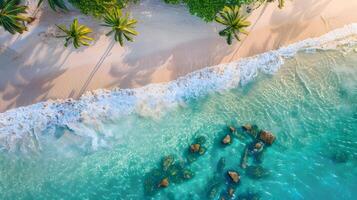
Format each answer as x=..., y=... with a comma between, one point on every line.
x=22, y=83
x=96, y=68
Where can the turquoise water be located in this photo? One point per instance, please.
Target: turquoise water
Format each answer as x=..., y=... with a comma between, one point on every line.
x=310, y=105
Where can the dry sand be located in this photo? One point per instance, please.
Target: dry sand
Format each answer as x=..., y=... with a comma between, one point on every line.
x=35, y=66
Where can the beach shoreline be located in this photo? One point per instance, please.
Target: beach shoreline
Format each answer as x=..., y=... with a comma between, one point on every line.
x=36, y=67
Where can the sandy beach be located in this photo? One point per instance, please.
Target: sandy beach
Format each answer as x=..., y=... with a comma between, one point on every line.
x=172, y=43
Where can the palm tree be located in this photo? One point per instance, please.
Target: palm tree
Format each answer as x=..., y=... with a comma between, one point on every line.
x=76, y=34
x=122, y=26
x=11, y=18
x=54, y=3
x=234, y=22
x=281, y=3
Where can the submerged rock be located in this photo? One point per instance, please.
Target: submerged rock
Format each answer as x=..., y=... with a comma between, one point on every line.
x=339, y=157
x=167, y=162
x=178, y=173
x=249, y=196
x=232, y=129
x=256, y=172
x=194, y=148
x=234, y=176
x=231, y=192
x=164, y=183
x=244, y=158
x=213, y=191
x=221, y=164
x=256, y=147
x=247, y=127
x=227, y=140
x=191, y=158
x=187, y=174
x=202, y=151
x=267, y=137
x=252, y=130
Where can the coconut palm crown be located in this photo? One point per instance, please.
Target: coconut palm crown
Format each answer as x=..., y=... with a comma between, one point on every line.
x=281, y=4
x=11, y=18
x=122, y=26
x=76, y=34
x=233, y=21
x=54, y=4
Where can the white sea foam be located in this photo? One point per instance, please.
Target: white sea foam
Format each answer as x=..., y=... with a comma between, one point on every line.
x=21, y=129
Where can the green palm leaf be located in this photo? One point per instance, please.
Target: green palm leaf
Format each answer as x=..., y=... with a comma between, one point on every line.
x=235, y=23
x=10, y=16
x=54, y=4
x=76, y=34
x=122, y=26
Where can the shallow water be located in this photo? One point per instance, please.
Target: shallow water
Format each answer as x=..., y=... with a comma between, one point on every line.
x=310, y=104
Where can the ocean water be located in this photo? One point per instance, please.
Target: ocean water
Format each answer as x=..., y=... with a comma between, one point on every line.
x=309, y=104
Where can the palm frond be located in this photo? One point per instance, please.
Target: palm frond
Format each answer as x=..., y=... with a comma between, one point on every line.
x=11, y=18
x=122, y=26
x=76, y=34
x=54, y=4
x=233, y=21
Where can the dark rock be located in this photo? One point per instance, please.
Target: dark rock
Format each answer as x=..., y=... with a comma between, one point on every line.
x=227, y=140
x=267, y=137
x=194, y=148
x=221, y=164
x=234, y=176
x=256, y=172
x=247, y=127
x=164, y=183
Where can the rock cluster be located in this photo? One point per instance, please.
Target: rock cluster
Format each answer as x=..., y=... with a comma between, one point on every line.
x=173, y=171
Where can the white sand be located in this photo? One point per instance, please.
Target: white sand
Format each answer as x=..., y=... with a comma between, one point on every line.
x=35, y=66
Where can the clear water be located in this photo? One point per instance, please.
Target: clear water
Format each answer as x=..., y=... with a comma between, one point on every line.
x=310, y=104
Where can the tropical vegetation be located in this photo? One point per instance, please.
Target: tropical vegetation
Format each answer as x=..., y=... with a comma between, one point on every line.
x=122, y=26
x=76, y=34
x=207, y=9
x=11, y=16
x=54, y=4
x=234, y=23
